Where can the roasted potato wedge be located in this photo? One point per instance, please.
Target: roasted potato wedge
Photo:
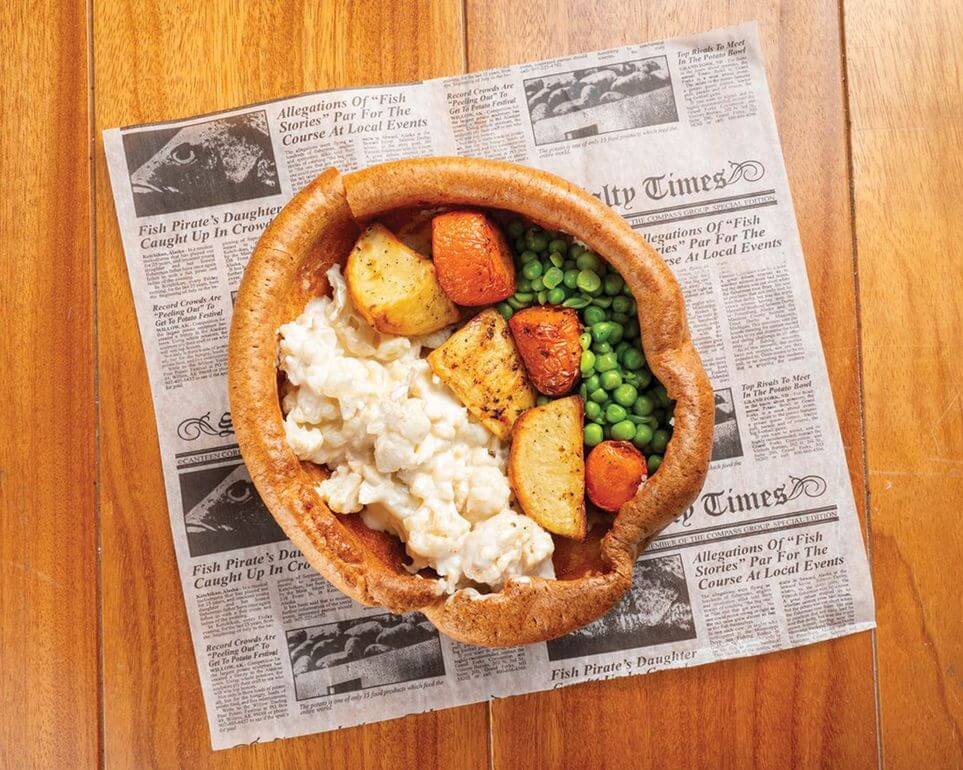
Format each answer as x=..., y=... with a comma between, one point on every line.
x=547, y=340
x=472, y=258
x=546, y=467
x=394, y=287
x=480, y=364
x=613, y=472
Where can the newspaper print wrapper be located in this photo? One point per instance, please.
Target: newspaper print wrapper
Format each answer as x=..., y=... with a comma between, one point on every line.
x=679, y=137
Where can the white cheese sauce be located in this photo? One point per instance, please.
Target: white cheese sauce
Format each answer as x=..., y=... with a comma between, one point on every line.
x=402, y=447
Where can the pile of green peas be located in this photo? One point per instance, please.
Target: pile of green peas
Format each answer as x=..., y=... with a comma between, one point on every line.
x=623, y=400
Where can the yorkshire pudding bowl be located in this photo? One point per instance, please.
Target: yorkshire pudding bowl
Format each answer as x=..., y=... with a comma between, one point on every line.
x=318, y=228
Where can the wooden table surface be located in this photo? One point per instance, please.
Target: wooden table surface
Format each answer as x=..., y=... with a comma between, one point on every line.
x=96, y=665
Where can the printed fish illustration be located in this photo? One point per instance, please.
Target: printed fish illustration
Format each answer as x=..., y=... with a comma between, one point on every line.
x=221, y=161
x=233, y=503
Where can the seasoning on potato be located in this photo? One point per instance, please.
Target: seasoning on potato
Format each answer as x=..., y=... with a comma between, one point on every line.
x=472, y=259
x=546, y=466
x=395, y=288
x=481, y=365
x=547, y=339
x=613, y=472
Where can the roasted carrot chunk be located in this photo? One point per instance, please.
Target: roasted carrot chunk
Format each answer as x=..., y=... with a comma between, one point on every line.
x=472, y=259
x=613, y=472
x=547, y=340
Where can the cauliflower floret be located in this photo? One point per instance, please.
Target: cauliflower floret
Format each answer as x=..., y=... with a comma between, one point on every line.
x=404, y=451
x=482, y=493
x=506, y=545
x=341, y=490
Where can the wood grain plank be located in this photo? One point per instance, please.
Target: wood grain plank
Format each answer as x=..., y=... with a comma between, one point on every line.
x=48, y=558
x=156, y=59
x=801, y=708
x=904, y=61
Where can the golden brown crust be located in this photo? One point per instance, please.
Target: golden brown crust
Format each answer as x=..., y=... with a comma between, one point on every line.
x=317, y=228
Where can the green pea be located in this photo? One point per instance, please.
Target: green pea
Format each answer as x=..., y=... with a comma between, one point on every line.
x=529, y=257
x=614, y=413
x=575, y=249
x=632, y=359
x=654, y=462
x=623, y=431
x=631, y=377
x=532, y=270
x=599, y=396
x=518, y=304
x=583, y=392
x=556, y=296
x=602, y=332
x=558, y=246
x=542, y=400
x=660, y=440
x=621, y=305
x=622, y=318
x=524, y=297
x=556, y=259
x=553, y=277
x=592, y=410
x=643, y=406
x=570, y=278
x=520, y=245
x=516, y=228
x=539, y=242
x=588, y=281
x=585, y=340
x=538, y=284
x=542, y=297
x=613, y=284
x=643, y=435
x=523, y=284
x=588, y=260
x=632, y=329
x=576, y=302
x=593, y=383
x=605, y=362
x=601, y=347
x=645, y=377
x=587, y=362
x=603, y=302
x=593, y=434
x=611, y=380
x=593, y=315
x=625, y=395
x=650, y=421
x=505, y=309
